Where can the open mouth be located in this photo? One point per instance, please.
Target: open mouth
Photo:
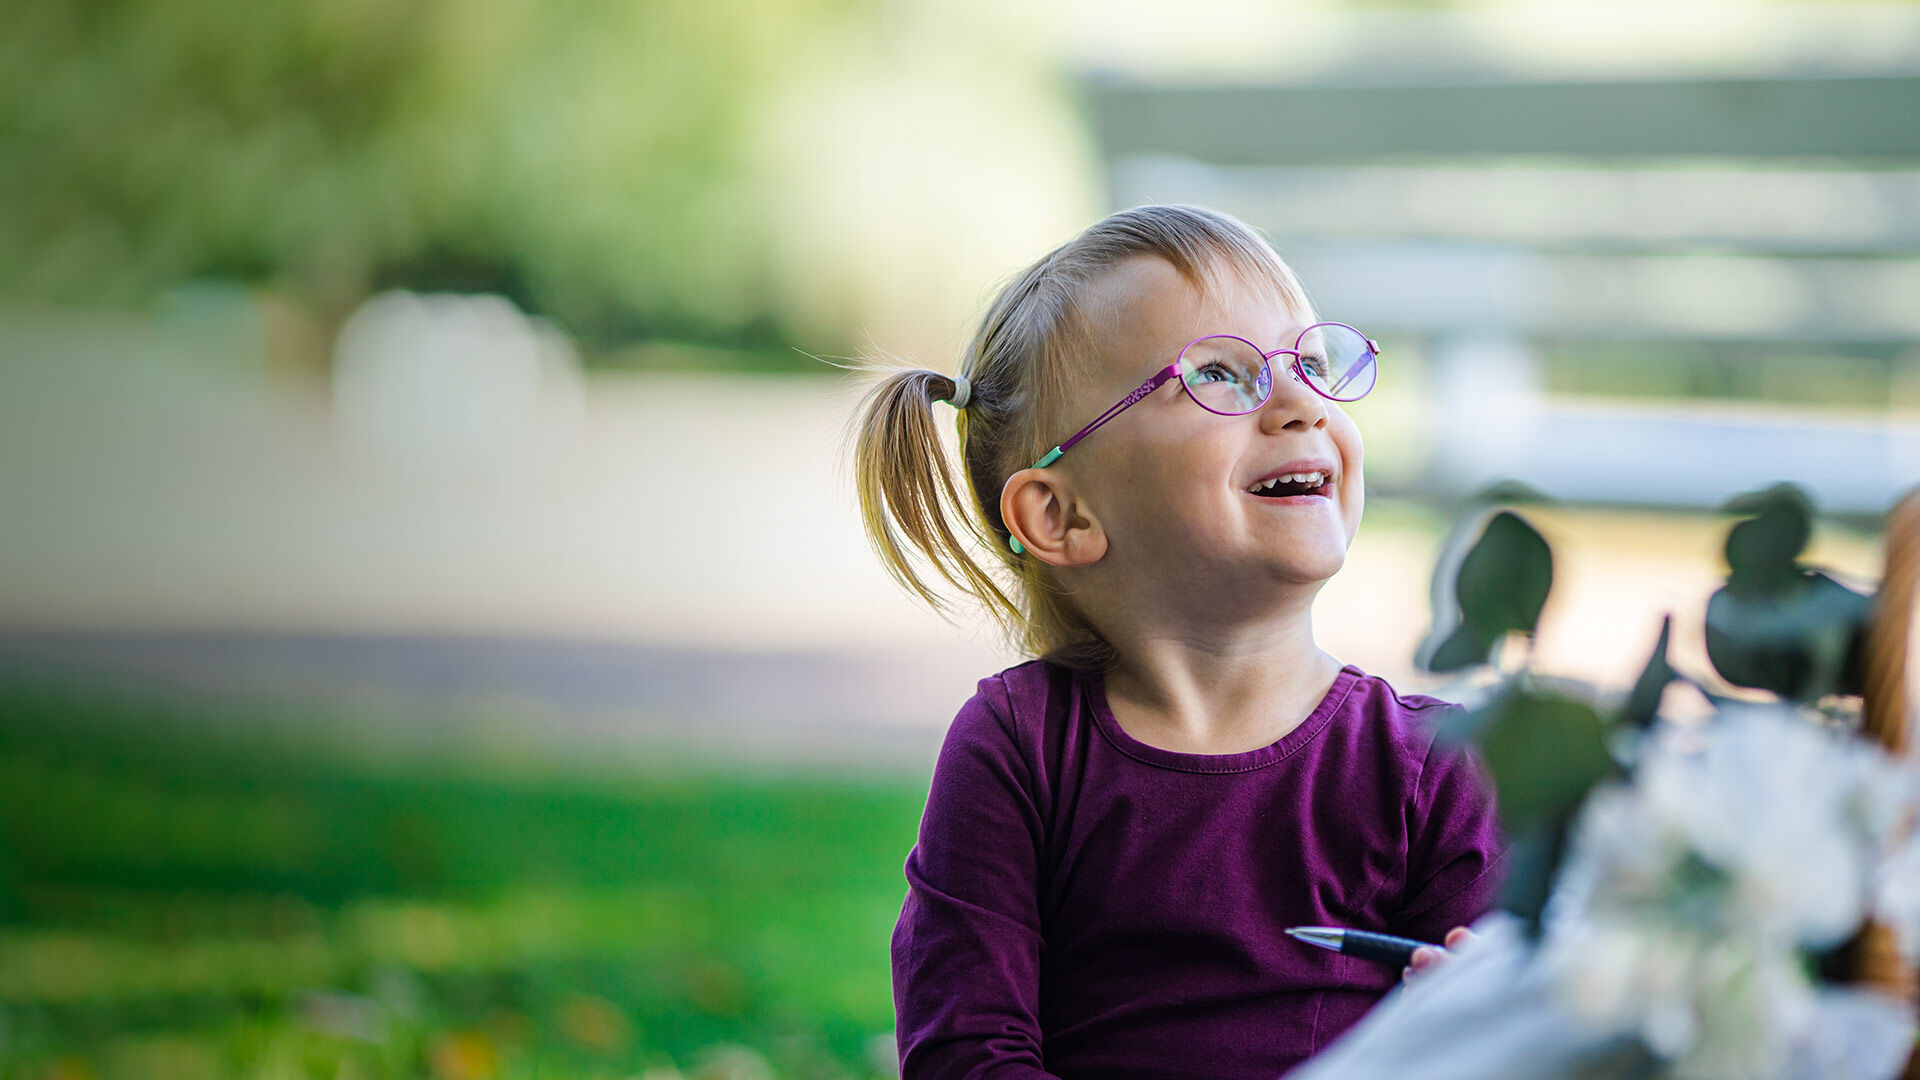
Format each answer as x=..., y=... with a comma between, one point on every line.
x=1294, y=485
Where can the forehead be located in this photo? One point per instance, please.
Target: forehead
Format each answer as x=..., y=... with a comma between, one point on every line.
x=1139, y=314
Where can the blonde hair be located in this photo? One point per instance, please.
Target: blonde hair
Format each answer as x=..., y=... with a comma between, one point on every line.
x=1031, y=345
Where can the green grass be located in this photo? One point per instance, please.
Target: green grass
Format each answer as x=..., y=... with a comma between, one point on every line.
x=186, y=898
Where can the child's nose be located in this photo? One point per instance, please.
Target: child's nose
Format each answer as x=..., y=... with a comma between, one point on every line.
x=1293, y=403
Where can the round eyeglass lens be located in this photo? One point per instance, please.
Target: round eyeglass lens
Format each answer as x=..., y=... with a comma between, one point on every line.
x=1338, y=360
x=1227, y=375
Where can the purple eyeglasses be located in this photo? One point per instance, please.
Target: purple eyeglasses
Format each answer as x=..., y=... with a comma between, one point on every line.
x=1231, y=376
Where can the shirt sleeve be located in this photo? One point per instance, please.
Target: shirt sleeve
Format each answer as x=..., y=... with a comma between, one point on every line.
x=966, y=951
x=1455, y=854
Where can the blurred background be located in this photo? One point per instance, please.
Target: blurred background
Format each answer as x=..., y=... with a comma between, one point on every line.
x=436, y=635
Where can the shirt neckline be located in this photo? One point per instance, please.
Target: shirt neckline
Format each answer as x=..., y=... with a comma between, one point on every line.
x=1245, y=760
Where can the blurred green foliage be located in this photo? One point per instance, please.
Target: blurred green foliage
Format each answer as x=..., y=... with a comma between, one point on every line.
x=186, y=899
x=1777, y=625
x=1486, y=590
x=593, y=160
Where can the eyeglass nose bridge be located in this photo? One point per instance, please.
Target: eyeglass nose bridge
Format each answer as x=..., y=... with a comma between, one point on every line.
x=1293, y=369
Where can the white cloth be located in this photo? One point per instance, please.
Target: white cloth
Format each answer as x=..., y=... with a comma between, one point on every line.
x=1485, y=1014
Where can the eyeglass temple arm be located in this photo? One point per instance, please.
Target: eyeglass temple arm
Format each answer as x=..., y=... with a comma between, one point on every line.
x=1171, y=371
x=1373, y=350
x=1160, y=379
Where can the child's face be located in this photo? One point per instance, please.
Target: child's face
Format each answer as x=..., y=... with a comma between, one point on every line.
x=1170, y=482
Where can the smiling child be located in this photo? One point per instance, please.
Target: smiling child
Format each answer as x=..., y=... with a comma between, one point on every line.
x=1154, y=444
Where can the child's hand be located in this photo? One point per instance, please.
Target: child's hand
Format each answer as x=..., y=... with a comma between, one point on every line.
x=1428, y=956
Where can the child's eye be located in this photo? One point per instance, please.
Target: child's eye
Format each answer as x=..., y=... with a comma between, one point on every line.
x=1215, y=373
x=1315, y=365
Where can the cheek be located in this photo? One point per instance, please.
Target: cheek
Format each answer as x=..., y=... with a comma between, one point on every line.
x=1346, y=436
x=1346, y=439
x=1353, y=490
x=1131, y=491
x=1165, y=490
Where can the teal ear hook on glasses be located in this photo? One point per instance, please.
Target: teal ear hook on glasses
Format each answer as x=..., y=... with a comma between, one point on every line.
x=1053, y=455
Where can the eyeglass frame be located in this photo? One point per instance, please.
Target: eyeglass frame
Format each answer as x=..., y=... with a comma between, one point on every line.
x=1172, y=371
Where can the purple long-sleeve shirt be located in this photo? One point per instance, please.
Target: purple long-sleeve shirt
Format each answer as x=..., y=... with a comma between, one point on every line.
x=1081, y=904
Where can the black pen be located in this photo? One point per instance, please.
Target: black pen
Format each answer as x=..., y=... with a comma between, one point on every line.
x=1365, y=944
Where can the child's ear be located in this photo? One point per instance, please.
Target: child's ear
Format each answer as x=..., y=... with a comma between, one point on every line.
x=1040, y=510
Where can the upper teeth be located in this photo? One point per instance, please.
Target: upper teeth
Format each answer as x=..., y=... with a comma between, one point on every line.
x=1313, y=478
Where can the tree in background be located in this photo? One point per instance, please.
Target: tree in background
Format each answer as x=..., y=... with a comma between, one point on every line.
x=589, y=159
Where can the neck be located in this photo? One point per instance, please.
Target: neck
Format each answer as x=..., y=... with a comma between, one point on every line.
x=1222, y=688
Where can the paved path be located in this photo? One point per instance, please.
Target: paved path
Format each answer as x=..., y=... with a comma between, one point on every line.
x=791, y=707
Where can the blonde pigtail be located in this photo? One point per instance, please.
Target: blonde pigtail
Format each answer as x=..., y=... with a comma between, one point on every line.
x=911, y=500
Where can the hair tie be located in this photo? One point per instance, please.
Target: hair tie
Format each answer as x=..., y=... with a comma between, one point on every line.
x=962, y=392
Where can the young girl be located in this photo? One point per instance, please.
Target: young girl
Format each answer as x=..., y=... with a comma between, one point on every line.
x=1153, y=442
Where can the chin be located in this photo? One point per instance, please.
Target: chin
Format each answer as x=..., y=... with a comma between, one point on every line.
x=1301, y=569
x=1327, y=570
